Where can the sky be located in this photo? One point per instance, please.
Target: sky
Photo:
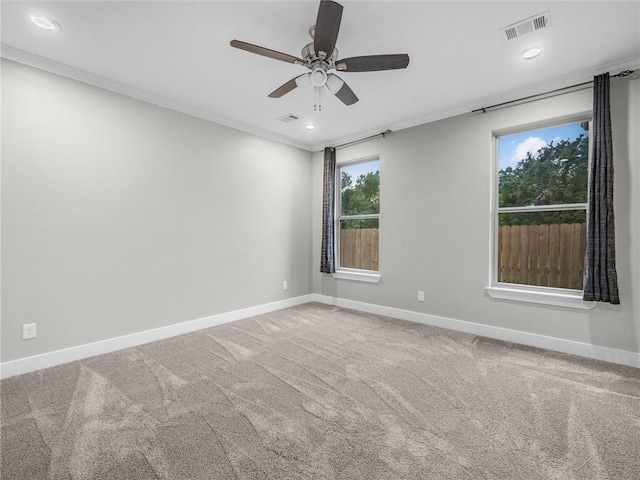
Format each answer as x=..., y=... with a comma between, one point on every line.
x=513, y=148
x=358, y=169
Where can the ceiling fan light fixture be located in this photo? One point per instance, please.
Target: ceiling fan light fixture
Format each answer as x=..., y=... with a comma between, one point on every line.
x=531, y=53
x=318, y=77
x=304, y=80
x=44, y=22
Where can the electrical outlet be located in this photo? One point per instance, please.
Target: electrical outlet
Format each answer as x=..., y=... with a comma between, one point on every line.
x=284, y=285
x=420, y=296
x=28, y=331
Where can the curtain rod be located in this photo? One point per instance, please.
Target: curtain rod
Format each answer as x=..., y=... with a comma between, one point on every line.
x=355, y=142
x=624, y=73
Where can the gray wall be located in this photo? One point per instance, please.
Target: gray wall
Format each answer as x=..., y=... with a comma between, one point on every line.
x=436, y=216
x=119, y=216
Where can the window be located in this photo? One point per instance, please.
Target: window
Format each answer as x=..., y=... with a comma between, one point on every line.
x=541, y=208
x=358, y=214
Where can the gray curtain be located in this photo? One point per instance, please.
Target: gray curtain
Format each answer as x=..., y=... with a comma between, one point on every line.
x=327, y=250
x=600, y=278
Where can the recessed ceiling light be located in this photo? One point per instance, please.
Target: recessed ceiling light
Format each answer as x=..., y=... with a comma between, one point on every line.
x=531, y=53
x=310, y=126
x=44, y=22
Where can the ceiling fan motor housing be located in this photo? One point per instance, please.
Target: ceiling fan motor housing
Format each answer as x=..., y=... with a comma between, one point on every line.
x=309, y=54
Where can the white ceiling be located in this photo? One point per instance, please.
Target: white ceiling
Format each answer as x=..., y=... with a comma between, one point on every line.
x=177, y=54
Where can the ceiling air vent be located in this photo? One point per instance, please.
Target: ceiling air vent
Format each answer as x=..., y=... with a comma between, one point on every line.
x=523, y=27
x=290, y=117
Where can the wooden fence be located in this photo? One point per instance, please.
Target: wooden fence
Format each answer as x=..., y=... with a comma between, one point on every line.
x=359, y=248
x=545, y=255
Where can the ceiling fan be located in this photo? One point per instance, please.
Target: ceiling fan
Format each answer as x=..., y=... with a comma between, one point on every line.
x=321, y=56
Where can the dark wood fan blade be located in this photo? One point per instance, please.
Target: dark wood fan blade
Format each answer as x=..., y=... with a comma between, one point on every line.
x=340, y=89
x=346, y=95
x=266, y=52
x=284, y=89
x=373, y=63
x=327, y=27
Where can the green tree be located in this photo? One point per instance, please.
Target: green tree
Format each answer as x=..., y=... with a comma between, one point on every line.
x=556, y=174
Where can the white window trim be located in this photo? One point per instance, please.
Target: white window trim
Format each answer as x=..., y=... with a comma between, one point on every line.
x=367, y=276
x=559, y=297
x=343, y=273
x=542, y=295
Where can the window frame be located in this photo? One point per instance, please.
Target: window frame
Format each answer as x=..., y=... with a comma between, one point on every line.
x=346, y=273
x=555, y=296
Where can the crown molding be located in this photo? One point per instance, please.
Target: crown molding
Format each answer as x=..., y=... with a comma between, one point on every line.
x=51, y=66
x=41, y=63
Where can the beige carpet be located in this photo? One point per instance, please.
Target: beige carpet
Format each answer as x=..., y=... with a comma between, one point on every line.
x=315, y=392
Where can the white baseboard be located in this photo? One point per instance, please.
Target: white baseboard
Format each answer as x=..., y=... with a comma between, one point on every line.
x=607, y=354
x=58, y=357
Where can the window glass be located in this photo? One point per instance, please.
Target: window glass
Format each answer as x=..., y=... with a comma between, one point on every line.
x=542, y=201
x=359, y=215
x=542, y=248
x=360, y=188
x=359, y=244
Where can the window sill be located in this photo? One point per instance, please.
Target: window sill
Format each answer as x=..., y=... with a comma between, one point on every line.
x=358, y=276
x=553, y=297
